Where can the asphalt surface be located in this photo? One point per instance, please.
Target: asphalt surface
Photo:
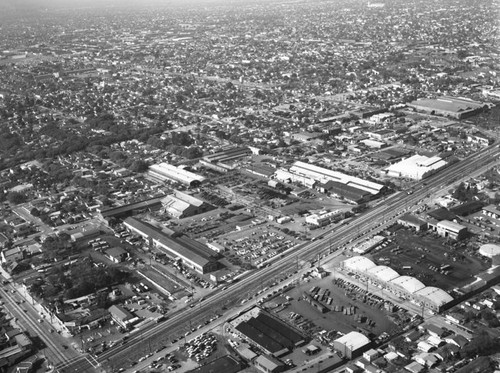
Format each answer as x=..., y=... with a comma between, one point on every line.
x=361, y=227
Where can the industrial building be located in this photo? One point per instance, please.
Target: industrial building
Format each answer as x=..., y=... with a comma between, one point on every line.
x=403, y=286
x=163, y=171
x=267, y=333
x=347, y=192
x=193, y=254
x=452, y=107
x=122, y=212
x=323, y=218
x=269, y=364
x=416, y=167
x=181, y=205
x=447, y=228
x=328, y=181
x=228, y=155
x=352, y=344
x=411, y=221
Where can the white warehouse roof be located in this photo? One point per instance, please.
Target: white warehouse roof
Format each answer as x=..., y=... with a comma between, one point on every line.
x=384, y=273
x=359, y=263
x=323, y=175
x=415, y=167
x=450, y=225
x=410, y=284
x=435, y=295
x=353, y=340
x=166, y=170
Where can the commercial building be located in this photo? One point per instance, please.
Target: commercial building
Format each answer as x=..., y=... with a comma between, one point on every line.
x=193, y=254
x=416, y=167
x=181, y=205
x=163, y=171
x=122, y=317
x=452, y=107
x=352, y=344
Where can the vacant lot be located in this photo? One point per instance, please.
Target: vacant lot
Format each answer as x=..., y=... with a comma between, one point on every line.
x=425, y=253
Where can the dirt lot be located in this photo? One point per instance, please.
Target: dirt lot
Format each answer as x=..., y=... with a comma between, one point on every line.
x=425, y=253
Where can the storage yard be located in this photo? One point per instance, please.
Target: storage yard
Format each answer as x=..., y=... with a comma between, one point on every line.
x=433, y=260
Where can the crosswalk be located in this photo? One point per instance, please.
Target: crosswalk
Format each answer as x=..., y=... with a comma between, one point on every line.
x=79, y=364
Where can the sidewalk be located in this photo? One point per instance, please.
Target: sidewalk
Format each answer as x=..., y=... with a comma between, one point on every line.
x=37, y=306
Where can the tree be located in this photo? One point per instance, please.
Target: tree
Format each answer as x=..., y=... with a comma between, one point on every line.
x=35, y=212
x=139, y=166
x=16, y=198
x=481, y=344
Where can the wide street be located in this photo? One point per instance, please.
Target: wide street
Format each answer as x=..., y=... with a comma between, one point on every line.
x=331, y=244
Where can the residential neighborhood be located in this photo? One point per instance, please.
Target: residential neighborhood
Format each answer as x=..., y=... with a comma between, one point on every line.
x=249, y=186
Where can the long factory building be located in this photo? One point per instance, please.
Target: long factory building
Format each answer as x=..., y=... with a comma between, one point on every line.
x=192, y=253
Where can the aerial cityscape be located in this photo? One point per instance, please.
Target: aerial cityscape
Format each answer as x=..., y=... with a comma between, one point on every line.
x=250, y=186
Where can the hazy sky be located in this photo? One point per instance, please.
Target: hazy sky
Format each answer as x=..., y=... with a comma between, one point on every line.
x=50, y=4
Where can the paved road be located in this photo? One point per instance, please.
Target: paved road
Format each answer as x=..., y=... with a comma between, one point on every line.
x=358, y=229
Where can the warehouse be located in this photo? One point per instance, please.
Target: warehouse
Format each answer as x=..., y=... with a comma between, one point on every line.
x=163, y=171
x=452, y=107
x=193, y=254
x=288, y=177
x=323, y=175
x=411, y=221
x=181, y=205
x=268, y=333
x=352, y=344
x=228, y=155
x=268, y=364
x=122, y=212
x=382, y=274
x=446, y=228
x=416, y=167
x=324, y=218
x=347, y=192
x=403, y=286
x=432, y=297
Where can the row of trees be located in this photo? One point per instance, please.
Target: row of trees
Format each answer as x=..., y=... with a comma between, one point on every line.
x=82, y=279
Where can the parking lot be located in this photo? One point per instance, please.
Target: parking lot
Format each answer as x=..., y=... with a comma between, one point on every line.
x=349, y=308
x=433, y=260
